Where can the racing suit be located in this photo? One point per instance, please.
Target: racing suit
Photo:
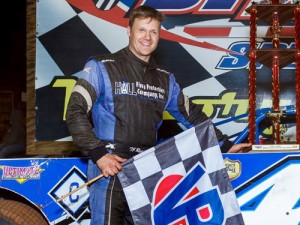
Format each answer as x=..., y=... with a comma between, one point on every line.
x=119, y=101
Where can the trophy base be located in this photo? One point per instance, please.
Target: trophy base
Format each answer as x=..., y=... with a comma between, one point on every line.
x=276, y=147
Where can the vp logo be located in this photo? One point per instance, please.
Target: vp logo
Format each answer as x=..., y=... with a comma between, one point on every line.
x=179, y=201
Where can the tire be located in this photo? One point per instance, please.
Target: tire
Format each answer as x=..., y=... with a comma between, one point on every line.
x=17, y=213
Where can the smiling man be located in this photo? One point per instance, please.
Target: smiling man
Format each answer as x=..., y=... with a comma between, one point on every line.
x=143, y=36
x=116, y=108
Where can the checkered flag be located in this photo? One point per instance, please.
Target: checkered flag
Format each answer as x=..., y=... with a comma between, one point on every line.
x=181, y=181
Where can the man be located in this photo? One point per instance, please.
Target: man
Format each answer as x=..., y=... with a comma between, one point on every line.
x=115, y=111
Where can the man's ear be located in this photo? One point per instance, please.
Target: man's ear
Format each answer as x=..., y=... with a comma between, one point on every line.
x=128, y=31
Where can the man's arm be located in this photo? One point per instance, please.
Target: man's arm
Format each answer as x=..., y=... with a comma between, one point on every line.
x=191, y=114
x=80, y=124
x=79, y=112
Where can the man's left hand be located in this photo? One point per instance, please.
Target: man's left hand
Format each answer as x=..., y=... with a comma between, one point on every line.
x=240, y=148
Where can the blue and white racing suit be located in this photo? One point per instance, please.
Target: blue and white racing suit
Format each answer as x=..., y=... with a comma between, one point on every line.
x=120, y=100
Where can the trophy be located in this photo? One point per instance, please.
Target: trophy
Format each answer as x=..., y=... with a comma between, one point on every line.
x=274, y=14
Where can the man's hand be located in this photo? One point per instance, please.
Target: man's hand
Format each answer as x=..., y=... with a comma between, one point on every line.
x=110, y=164
x=240, y=148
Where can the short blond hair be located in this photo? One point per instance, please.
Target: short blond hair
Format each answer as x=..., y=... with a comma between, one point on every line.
x=145, y=12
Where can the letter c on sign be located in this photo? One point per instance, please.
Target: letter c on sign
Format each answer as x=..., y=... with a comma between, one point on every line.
x=73, y=186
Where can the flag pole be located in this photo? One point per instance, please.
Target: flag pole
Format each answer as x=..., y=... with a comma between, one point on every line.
x=82, y=186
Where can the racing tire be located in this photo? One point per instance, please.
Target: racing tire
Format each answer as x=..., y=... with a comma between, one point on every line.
x=17, y=213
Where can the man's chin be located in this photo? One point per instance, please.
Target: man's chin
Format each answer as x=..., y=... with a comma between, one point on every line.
x=146, y=51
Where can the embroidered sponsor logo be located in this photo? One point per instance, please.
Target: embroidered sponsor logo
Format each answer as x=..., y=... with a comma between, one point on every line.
x=139, y=89
x=107, y=60
x=135, y=150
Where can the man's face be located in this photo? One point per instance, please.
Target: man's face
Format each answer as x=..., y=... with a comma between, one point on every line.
x=143, y=37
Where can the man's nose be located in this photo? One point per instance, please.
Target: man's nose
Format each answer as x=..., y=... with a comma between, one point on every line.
x=147, y=35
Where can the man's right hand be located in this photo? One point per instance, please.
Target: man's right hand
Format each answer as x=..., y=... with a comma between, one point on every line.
x=110, y=164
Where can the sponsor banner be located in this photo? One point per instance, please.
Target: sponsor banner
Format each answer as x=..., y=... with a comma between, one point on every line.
x=202, y=42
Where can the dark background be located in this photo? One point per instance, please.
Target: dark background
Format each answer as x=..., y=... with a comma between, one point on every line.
x=13, y=61
x=13, y=51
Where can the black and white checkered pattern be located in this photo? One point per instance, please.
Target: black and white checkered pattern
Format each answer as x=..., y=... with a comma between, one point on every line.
x=67, y=36
x=179, y=155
